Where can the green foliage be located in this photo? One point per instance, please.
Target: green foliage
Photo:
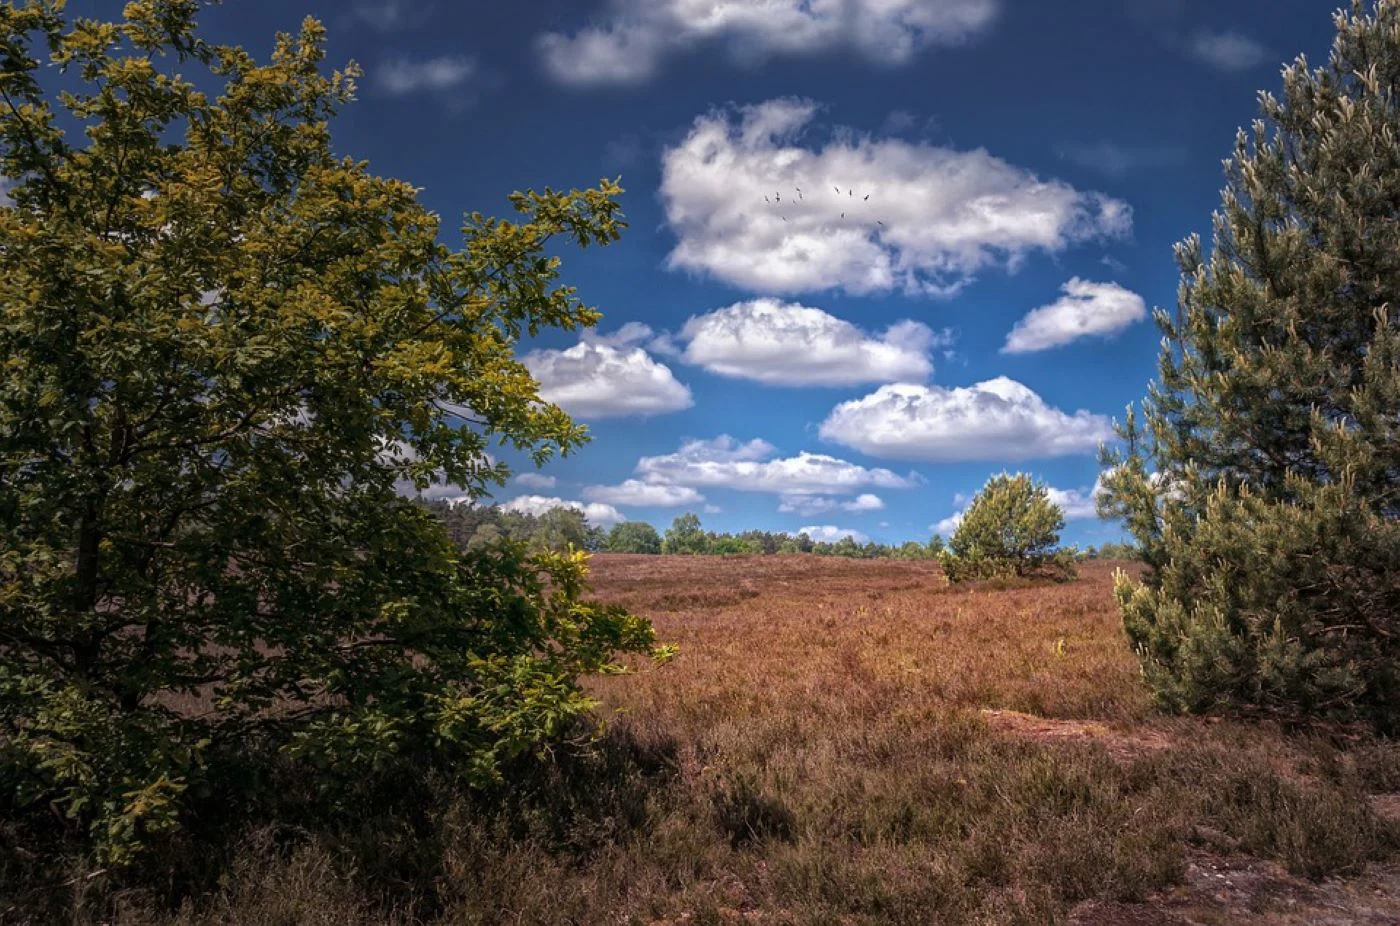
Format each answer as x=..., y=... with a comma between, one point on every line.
x=685, y=536
x=1010, y=529
x=1111, y=550
x=912, y=549
x=564, y=528
x=1263, y=484
x=224, y=349
x=472, y=526
x=728, y=545
x=633, y=537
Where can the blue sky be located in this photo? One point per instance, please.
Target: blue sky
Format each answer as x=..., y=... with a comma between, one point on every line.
x=828, y=360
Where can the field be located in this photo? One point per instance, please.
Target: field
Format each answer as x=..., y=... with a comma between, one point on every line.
x=846, y=741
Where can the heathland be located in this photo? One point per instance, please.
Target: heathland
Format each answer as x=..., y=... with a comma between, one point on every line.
x=847, y=741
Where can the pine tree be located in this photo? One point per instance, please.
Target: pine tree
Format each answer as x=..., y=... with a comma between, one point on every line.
x=1012, y=528
x=1263, y=482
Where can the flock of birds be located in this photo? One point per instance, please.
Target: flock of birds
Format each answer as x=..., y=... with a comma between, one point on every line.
x=778, y=198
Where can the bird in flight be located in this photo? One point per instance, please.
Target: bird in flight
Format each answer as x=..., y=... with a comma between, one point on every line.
x=837, y=189
x=867, y=196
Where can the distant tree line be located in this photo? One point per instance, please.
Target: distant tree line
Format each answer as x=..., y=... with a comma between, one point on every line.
x=687, y=536
x=474, y=526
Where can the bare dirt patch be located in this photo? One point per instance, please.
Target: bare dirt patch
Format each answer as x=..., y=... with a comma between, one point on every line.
x=1122, y=745
x=1238, y=889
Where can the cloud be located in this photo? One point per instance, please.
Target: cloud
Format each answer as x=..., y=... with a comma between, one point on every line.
x=629, y=44
x=608, y=378
x=1227, y=51
x=749, y=467
x=999, y=419
x=1078, y=504
x=1085, y=310
x=636, y=492
x=935, y=216
x=897, y=122
x=1113, y=263
x=597, y=514
x=786, y=344
x=866, y=502
x=535, y=481
x=1114, y=160
x=820, y=504
x=402, y=76
x=827, y=533
x=387, y=15
x=949, y=525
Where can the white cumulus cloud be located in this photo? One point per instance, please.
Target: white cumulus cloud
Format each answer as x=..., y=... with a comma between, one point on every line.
x=933, y=219
x=402, y=76
x=866, y=502
x=750, y=467
x=608, y=378
x=1077, y=504
x=948, y=525
x=1086, y=309
x=637, y=492
x=598, y=515
x=808, y=505
x=786, y=344
x=535, y=481
x=1228, y=51
x=629, y=44
x=999, y=419
x=828, y=533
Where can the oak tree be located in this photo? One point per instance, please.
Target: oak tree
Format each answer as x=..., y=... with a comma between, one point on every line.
x=224, y=351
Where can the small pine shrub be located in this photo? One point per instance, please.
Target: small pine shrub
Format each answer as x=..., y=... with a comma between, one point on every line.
x=1012, y=528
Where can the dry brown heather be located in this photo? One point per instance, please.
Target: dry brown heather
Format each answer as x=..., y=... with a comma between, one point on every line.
x=848, y=741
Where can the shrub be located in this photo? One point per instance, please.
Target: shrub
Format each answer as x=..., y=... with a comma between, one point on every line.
x=1010, y=529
